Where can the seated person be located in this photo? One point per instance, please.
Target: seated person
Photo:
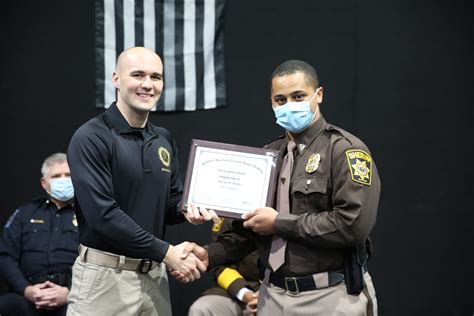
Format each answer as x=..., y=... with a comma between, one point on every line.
x=236, y=289
x=39, y=246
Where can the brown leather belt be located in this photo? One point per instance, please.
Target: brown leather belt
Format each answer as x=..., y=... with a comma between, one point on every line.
x=117, y=262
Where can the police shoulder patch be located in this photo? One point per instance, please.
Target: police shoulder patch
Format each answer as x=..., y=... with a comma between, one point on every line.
x=12, y=217
x=360, y=165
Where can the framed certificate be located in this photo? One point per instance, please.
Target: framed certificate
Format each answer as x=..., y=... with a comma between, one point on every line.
x=229, y=179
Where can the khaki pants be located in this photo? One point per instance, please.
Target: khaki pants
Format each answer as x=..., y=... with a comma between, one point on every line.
x=213, y=305
x=102, y=291
x=334, y=300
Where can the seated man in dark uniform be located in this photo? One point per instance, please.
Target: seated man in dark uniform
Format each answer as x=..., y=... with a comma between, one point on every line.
x=236, y=289
x=39, y=246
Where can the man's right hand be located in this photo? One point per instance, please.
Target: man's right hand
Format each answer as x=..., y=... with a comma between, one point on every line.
x=191, y=250
x=189, y=266
x=198, y=251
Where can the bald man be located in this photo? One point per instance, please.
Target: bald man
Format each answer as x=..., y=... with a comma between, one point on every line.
x=125, y=172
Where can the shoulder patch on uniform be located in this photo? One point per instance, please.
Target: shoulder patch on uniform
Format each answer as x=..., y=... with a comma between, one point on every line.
x=360, y=165
x=164, y=155
x=12, y=217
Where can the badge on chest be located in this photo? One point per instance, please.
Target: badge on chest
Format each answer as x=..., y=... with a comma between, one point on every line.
x=165, y=158
x=313, y=163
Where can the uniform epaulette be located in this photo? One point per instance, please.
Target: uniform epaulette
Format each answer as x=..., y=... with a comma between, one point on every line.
x=30, y=206
x=38, y=200
x=353, y=140
x=275, y=139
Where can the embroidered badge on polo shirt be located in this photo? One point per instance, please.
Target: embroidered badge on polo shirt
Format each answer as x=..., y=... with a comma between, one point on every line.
x=360, y=164
x=164, y=155
x=165, y=158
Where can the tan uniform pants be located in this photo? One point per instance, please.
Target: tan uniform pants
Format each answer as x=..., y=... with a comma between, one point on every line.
x=213, y=305
x=334, y=300
x=102, y=291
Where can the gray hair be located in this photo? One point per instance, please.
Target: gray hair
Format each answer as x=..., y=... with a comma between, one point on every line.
x=56, y=158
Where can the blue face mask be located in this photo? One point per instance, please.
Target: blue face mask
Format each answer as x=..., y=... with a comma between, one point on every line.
x=61, y=189
x=295, y=116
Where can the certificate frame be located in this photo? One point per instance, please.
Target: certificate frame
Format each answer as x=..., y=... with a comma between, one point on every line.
x=237, y=191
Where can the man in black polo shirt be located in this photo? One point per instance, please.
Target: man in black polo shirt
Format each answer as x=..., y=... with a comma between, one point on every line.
x=39, y=246
x=125, y=172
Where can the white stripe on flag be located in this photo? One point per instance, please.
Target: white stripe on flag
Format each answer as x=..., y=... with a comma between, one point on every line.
x=109, y=51
x=189, y=60
x=149, y=39
x=149, y=24
x=128, y=23
x=208, y=47
x=167, y=36
x=168, y=56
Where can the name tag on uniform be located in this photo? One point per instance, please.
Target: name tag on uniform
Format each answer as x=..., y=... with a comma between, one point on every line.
x=36, y=221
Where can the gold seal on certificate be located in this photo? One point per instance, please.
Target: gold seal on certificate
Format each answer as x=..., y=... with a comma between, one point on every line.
x=230, y=179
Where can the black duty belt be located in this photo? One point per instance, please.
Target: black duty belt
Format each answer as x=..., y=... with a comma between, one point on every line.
x=295, y=285
x=63, y=279
x=307, y=283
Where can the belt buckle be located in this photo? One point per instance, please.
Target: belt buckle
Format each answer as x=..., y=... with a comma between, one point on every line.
x=289, y=281
x=141, y=266
x=52, y=277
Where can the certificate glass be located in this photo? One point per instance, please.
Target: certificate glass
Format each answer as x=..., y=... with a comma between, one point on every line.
x=230, y=179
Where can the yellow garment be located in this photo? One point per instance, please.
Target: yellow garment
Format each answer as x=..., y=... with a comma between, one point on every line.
x=227, y=277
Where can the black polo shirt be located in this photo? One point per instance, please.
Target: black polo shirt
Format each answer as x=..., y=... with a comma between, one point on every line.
x=126, y=184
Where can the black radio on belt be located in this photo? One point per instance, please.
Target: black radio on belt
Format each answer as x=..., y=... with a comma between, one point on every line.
x=354, y=269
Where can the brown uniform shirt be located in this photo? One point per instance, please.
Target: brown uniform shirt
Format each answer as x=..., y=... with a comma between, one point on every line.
x=334, y=195
x=247, y=267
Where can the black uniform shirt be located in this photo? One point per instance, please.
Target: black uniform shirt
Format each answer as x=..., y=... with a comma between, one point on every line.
x=38, y=239
x=334, y=195
x=126, y=185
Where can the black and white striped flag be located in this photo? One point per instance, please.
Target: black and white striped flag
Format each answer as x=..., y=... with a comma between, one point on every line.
x=187, y=34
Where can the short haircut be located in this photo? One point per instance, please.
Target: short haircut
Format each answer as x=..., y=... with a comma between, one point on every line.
x=56, y=158
x=291, y=67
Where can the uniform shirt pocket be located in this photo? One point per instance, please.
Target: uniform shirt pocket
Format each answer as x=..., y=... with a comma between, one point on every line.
x=69, y=239
x=310, y=194
x=35, y=236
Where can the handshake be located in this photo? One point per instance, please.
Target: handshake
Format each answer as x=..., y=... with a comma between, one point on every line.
x=186, y=261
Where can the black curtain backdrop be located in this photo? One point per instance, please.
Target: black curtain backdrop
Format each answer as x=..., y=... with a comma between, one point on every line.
x=396, y=73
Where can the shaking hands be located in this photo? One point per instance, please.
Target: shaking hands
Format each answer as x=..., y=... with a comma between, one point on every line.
x=191, y=260
x=187, y=261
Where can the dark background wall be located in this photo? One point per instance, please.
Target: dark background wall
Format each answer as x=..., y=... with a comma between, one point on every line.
x=396, y=73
